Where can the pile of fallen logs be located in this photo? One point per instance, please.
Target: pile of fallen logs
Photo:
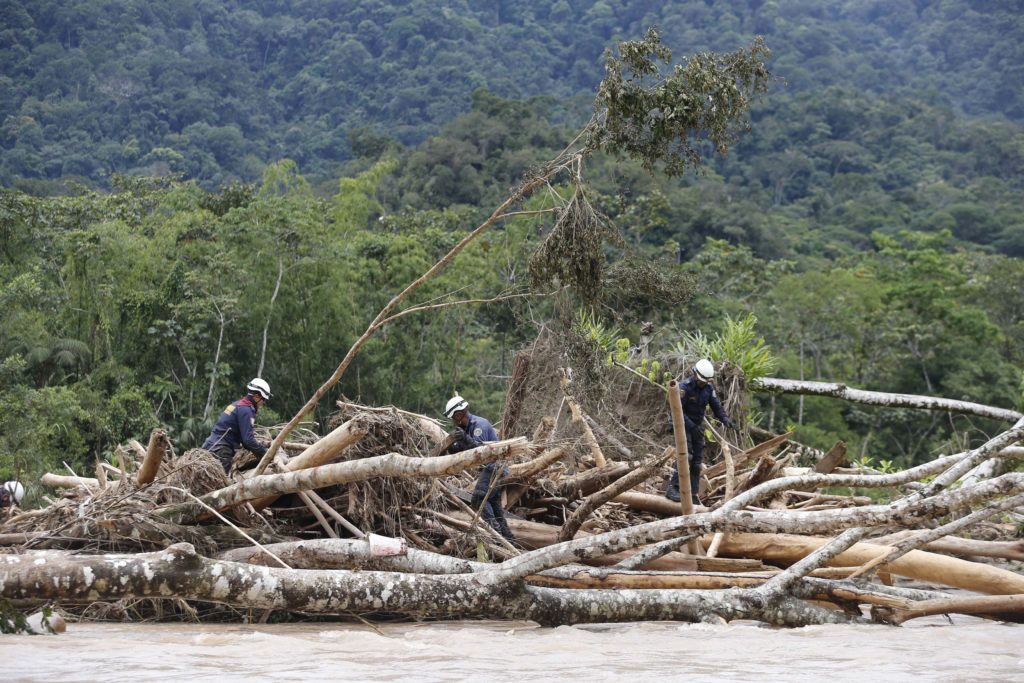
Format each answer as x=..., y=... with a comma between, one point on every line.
x=373, y=518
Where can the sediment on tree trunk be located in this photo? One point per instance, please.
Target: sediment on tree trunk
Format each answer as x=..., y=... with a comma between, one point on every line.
x=178, y=572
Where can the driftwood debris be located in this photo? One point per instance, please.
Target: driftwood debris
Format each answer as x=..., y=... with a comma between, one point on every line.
x=372, y=518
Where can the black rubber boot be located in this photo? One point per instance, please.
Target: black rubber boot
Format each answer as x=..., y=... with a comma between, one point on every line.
x=695, y=482
x=502, y=526
x=672, y=490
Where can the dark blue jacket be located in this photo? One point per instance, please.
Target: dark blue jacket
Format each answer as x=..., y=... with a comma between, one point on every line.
x=234, y=429
x=479, y=431
x=695, y=402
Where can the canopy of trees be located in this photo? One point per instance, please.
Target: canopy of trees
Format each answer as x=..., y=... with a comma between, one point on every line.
x=217, y=90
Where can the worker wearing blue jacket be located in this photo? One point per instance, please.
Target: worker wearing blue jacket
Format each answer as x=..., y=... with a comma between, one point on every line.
x=695, y=395
x=234, y=428
x=472, y=431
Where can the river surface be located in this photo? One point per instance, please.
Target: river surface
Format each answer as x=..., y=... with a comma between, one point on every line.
x=922, y=650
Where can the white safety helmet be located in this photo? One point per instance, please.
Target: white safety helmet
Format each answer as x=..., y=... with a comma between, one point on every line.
x=16, y=490
x=455, y=404
x=260, y=387
x=704, y=369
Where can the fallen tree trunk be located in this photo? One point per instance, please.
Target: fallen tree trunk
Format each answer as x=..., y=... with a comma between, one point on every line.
x=954, y=545
x=901, y=603
x=530, y=469
x=948, y=571
x=534, y=535
x=320, y=453
x=390, y=465
x=878, y=398
x=648, y=503
x=329, y=447
x=63, y=481
x=178, y=572
x=1002, y=607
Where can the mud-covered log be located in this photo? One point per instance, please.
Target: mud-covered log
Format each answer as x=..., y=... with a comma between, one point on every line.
x=178, y=572
x=535, y=536
x=345, y=553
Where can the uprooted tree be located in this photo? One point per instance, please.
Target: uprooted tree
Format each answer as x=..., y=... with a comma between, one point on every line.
x=596, y=542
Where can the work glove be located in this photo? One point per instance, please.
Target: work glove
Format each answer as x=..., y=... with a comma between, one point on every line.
x=727, y=423
x=463, y=441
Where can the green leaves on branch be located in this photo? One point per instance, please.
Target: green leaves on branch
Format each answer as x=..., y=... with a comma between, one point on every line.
x=660, y=118
x=739, y=345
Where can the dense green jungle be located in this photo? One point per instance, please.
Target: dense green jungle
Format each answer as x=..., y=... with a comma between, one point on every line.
x=193, y=193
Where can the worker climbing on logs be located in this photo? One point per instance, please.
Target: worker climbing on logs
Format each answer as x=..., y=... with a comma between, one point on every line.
x=695, y=394
x=472, y=431
x=234, y=428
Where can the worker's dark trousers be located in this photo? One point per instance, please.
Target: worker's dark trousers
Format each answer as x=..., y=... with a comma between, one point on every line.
x=695, y=446
x=226, y=457
x=492, y=512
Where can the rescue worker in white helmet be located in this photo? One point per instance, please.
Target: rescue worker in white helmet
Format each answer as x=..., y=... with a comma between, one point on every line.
x=11, y=493
x=234, y=428
x=472, y=431
x=695, y=395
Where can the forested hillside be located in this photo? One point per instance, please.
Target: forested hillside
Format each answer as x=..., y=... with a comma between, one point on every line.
x=218, y=89
x=195, y=193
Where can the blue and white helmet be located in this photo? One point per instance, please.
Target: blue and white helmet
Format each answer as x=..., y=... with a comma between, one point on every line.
x=259, y=386
x=704, y=369
x=455, y=404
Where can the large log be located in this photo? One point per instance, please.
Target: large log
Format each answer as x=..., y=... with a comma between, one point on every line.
x=648, y=503
x=878, y=398
x=178, y=572
x=320, y=453
x=534, y=535
x=786, y=549
x=390, y=465
x=964, y=547
x=63, y=481
x=329, y=447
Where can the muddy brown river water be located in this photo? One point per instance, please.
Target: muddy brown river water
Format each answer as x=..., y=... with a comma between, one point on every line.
x=925, y=650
